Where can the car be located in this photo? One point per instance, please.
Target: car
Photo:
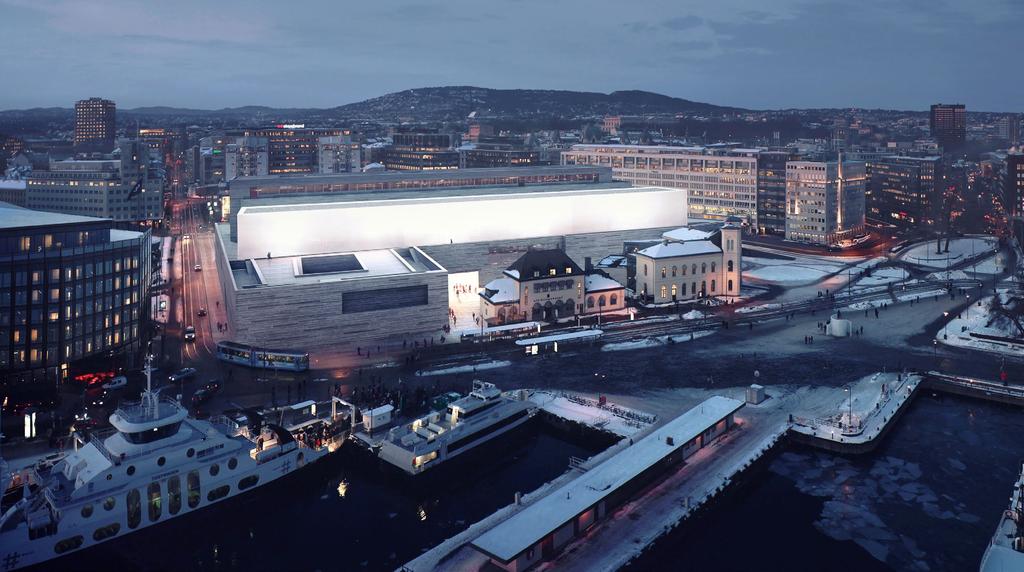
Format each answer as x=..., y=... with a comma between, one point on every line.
x=213, y=386
x=201, y=312
x=116, y=383
x=182, y=374
x=185, y=237
x=190, y=333
x=200, y=397
x=197, y=268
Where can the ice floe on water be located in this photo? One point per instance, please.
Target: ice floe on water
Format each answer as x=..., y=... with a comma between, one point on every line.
x=856, y=494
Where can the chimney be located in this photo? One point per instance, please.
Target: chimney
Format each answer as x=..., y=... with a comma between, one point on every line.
x=588, y=265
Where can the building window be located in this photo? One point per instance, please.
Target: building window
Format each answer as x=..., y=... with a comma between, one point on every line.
x=645, y=270
x=568, y=269
x=728, y=268
x=664, y=292
x=693, y=269
x=614, y=299
x=674, y=270
x=675, y=290
x=590, y=301
x=664, y=271
x=712, y=285
x=703, y=267
x=601, y=301
x=712, y=266
x=730, y=285
x=683, y=269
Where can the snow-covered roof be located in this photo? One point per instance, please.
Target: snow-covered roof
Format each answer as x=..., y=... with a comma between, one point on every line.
x=674, y=249
x=513, y=273
x=13, y=184
x=686, y=233
x=12, y=216
x=527, y=527
x=600, y=283
x=500, y=291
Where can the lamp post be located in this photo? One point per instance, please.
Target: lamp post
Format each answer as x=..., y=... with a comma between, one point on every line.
x=849, y=420
x=945, y=324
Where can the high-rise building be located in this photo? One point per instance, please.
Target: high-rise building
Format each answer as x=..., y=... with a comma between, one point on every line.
x=292, y=148
x=771, y=190
x=904, y=190
x=338, y=154
x=95, y=128
x=949, y=124
x=1008, y=128
x=1009, y=171
x=824, y=201
x=421, y=151
x=720, y=181
x=101, y=187
x=246, y=157
x=74, y=287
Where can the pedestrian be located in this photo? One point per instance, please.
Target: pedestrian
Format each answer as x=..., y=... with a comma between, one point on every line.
x=359, y=350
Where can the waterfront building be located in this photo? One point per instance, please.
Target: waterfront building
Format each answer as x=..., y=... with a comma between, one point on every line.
x=948, y=124
x=547, y=285
x=73, y=287
x=369, y=267
x=95, y=128
x=825, y=201
x=904, y=191
x=720, y=181
x=246, y=157
x=125, y=186
x=689, y=264
x=421, y=151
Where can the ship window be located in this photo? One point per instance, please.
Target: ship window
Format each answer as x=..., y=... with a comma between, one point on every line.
x=134, y=508
x=214, y=469
x=190, y=453
x=248, y=482
x=161, y=461
x=105, y=532
x=192, y=482
x=174, y=494
x=109, y=503
x=131, y=470
x=218, y=493
x=154, y=434
x=68, y=544
x=155, y=501
x=87, y=510
x=232, y=463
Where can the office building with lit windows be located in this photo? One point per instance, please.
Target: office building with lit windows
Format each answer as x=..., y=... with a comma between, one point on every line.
x=904, y=191
x=71, y=288
x=291, y=148
x=95, y=128
x=421, y=151
x=246, y=157
x=825, y=201
x=338, y=154
x=101, y=187
x=949, y=124
x=771, y=191
x=720, y=181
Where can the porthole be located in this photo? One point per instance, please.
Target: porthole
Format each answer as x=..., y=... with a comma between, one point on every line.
x=131, y=470
x=87, y=510
x=161, y=461
x=68, y=544
x=214, y=469
x=109, y=503
x=232, y=463
x=190, y=453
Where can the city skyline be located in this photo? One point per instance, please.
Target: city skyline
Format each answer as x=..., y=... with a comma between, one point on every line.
x=727, y=54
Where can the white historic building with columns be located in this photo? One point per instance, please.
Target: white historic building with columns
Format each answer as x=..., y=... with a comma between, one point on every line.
x=689, y=264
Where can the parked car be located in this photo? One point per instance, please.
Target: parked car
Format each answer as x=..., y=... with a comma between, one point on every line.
x=116, y=383
x=190, y=333
x=182, y=374
x=200, y=397
x=201, y=312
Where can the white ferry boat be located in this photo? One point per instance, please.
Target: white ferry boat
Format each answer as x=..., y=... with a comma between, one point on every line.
x=156, y=463
x=1005, y=552
x=480, y=416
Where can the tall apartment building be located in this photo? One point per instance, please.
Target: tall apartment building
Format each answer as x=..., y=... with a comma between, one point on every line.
x=292, y=148
x=421, y=151
x=338, y=154
x=1008, y=128
x=1009, y=173
x=74, y=288
x=949, y=124
x=771, y=190
x=95, y=128
x=720, y=181
x=100, y=187
x=824, y=201
x=246, y=157
x=904, y=190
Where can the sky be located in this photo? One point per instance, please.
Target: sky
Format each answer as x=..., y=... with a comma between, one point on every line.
x=758, y=54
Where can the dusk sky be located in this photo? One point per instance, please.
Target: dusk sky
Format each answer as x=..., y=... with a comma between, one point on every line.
x=903, y=54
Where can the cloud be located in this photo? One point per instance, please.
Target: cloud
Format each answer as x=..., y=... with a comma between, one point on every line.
x=682, y=22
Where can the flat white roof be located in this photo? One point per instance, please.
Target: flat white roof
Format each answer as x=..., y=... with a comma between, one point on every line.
x=674, y=249
x=526, y=528
x=12, y=216
x=686, y=233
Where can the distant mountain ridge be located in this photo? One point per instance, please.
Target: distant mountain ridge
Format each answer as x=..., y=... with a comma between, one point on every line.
x=434, y=104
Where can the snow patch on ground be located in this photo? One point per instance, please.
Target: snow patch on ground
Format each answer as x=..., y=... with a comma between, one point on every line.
x=654, y=342
x=926, y=254
x=758, y=308
x=494, y=364
x=622, y=421
x=979, y=319
x=923, y=295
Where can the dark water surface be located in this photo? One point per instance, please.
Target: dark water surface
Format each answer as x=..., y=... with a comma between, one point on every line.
x=348, y=512
x=927, y=499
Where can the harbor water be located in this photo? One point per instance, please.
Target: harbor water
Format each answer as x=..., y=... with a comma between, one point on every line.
x=349, y=512
x=927, y=499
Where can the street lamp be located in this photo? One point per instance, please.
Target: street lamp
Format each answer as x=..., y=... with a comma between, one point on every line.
x=849, y=419
x=945, y=324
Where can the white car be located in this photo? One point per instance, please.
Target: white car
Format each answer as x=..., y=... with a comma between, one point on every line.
x=116, y=383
